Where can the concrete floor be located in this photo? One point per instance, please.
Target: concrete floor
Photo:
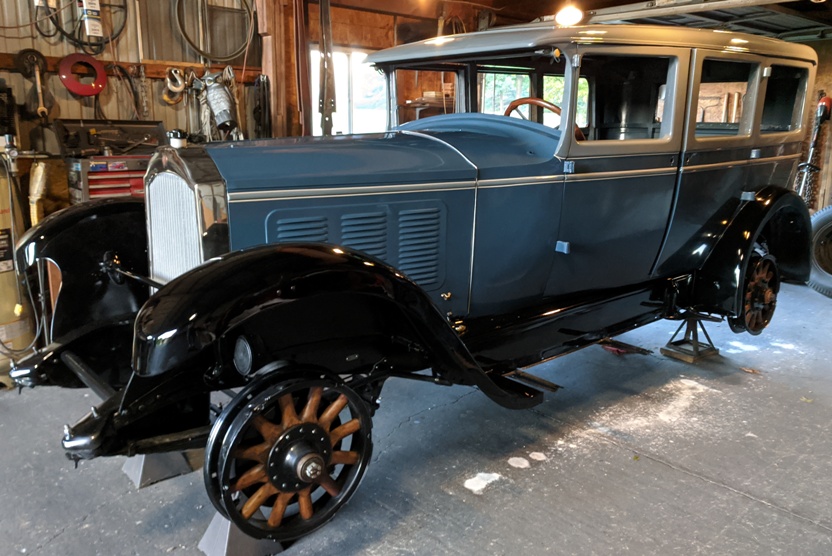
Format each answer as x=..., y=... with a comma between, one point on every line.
x=638, y=454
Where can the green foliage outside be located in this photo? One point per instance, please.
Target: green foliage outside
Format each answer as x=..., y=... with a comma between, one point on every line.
x=499, y=89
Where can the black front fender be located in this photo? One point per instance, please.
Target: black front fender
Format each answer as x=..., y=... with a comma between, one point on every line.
x=779, y=218
x=305, y=300
x=76, y=239
x=295, y=294
x=93, y=314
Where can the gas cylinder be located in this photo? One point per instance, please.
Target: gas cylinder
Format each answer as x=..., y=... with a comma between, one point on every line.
x=16, y=322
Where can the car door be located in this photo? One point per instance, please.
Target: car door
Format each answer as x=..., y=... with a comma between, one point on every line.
x=744, y=131
x=620, y=178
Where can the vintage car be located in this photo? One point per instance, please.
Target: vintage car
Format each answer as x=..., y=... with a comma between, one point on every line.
x=649, y=178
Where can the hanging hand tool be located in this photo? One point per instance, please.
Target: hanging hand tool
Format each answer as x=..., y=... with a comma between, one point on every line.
x=32, y=65
x=174, y=86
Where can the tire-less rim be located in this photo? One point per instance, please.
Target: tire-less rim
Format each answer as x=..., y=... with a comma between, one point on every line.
x=760, y=299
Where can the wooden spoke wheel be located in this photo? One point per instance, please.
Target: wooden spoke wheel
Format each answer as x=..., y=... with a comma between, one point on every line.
x=762, y=284
x=291, y=456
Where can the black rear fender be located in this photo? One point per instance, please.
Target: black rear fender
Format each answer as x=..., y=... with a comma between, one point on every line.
x=779, y=220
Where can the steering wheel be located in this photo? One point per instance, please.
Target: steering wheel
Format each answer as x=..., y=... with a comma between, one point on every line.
x=518, y=102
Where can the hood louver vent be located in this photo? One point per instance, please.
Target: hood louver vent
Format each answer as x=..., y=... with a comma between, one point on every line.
x=365, y=232
x=313, y=228
x=419, y=244
x=409, y=239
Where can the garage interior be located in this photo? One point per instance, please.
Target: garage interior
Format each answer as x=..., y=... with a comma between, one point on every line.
x=637, y=452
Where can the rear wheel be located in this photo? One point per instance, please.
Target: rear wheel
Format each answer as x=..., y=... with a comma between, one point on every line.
x=821, y=277
x=292, y=454
x=761, y=285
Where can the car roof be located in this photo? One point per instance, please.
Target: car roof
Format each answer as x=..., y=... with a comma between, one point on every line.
x=533, y=35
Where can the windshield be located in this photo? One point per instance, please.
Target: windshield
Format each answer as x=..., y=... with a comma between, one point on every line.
x=528, y=86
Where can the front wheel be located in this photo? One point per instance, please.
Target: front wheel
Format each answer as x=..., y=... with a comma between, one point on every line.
x=821, y=277
x=291, y=455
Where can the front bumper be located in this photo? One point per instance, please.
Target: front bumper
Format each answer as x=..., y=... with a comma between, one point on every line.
x=93, y=435
x=41, y=368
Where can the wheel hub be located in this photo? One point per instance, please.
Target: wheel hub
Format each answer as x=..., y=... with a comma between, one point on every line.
x=762, y=295
x=310, y=467
x=299, y=457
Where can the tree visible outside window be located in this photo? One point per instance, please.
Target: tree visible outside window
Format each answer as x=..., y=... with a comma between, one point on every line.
x=553, y=86
x=497, y=90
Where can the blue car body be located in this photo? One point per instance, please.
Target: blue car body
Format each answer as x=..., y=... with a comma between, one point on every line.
x=455, y=249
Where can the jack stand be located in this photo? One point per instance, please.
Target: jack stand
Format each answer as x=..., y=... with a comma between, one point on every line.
x=689, y=349
x=223, y=538
x=147, y=469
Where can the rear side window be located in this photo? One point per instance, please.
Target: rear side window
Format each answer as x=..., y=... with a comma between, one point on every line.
x=425, y=93
x=721, y=99
x=626, y=96
x=784, y=99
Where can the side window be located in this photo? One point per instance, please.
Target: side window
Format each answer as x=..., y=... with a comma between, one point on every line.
x=721, y=99
x=497, y=90
x=423, y=93
x=627, y=97
x=784, y=99
x=553, y=86
x=360, y=94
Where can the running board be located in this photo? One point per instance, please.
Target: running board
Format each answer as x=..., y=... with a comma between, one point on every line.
x=534, y=381
x=516, y=395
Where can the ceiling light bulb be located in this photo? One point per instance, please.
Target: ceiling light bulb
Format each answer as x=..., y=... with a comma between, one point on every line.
x=569, y=15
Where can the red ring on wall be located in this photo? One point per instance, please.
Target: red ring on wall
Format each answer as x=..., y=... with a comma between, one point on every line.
x=71, y=82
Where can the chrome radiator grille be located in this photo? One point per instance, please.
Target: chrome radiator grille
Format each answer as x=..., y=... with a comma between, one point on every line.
x=173, y=227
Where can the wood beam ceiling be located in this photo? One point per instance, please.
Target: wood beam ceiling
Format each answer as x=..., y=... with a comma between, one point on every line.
x=420, y=9
x=518, y=11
